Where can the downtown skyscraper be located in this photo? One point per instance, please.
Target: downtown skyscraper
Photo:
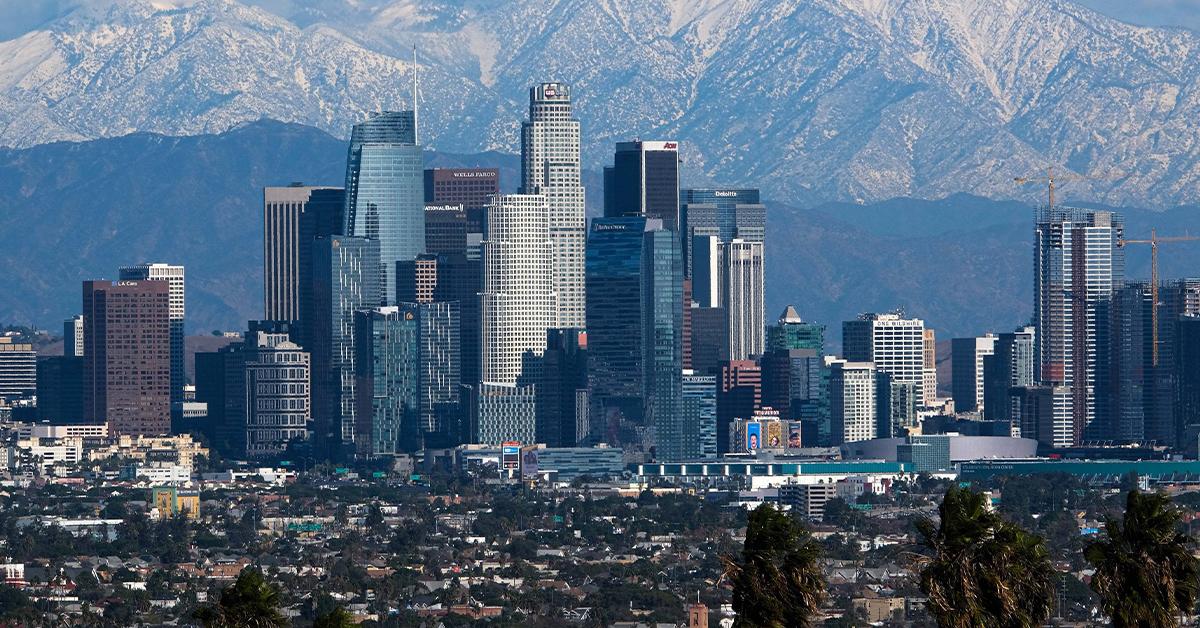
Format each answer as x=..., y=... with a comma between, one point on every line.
x=550, y=168
x=1078, y=264
x=518, y=292
x=385, y=190
x=174, y=276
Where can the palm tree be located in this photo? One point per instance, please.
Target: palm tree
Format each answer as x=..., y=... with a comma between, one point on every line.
x=778, y=583
x=1145, y=575
x=981, y=570
x=251, y=602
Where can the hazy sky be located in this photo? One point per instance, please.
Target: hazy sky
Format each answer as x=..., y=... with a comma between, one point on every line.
x=1184, y=13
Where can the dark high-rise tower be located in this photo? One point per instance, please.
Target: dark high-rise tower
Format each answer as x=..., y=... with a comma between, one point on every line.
x=614, y=316
x=562, y=400
x=292, y=217
x=644, y=181
x=385, y=190
x=127, y=356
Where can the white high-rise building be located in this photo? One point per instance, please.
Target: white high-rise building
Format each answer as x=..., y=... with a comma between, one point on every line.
x=1078, y=263
x=742, y=285
x=929, y=397
x=550, y=168
x=174, y=276
x=895, y=345
x=852, y=407
x=518, y=297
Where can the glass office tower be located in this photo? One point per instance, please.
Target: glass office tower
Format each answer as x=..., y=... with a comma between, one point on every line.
x=672, y=437
x=614, y=306
x=385, y=190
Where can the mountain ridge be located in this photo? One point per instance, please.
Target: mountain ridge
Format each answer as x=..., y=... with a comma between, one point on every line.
x=79, y=210
x=851, y=100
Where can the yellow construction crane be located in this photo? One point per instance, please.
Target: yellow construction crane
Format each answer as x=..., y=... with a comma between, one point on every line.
x=1154, y=241
x=1049, y=178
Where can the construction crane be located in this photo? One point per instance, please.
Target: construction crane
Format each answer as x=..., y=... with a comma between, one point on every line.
x=1049, y=178
x=1154, y=241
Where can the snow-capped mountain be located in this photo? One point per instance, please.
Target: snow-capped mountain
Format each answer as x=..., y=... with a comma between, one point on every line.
x=821, y=99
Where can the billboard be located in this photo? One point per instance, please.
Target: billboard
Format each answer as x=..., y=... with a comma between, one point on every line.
x=753, y=436
x=510, y=456
x=794, y=432
x=774, y=436
x=529, y=464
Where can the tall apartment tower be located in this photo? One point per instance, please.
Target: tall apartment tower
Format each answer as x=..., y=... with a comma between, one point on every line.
x=385, y=190
x=672, y=437
x=174, y=276
x=852, y=403
x=644, y=181
x=1077, y=266
x=742, y=285
x=550, y=168
x=966, y=356
x=895, y=345
x=518, y=285
x=127, y=357
x=345, y=279
x=73, y=336
x=292, y=217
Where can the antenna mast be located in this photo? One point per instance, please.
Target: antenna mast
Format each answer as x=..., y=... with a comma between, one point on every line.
x=414, y=96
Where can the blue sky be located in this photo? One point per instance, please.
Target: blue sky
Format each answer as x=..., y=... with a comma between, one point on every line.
x=20, y=16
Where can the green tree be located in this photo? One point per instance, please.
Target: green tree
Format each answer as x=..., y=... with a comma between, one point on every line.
x=337, y=618
x=778, y=583
x=1145, y=575
x=251, y=602
x=980, y=570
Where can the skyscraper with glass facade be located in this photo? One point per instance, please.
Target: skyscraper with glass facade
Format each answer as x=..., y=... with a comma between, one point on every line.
x=673, y=437
x=1010, y=366
x=550, y=168
x=387, y=347
x=614, y=317
x=345, y=279
x=1077, y=266
x=385, y=190
x=644, y=181
x=724, y=213
x=742, y=285
x=699, y=405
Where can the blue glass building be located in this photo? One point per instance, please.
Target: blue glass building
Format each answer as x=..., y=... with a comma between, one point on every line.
x=388, y=363
x=614, y=307
x=408, y=375
x=345, y=280
x=385, y=190
x=725, y=214
x=662, y=344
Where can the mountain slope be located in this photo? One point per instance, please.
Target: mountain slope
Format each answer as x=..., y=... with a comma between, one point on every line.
x=75, y=211
x=858, y=100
